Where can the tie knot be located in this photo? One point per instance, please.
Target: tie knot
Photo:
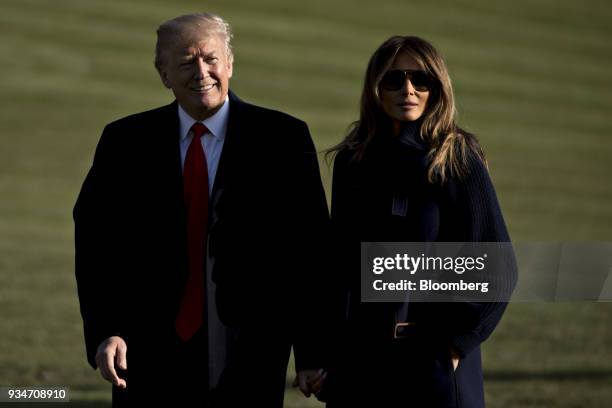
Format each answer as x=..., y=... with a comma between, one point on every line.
x=198, y=130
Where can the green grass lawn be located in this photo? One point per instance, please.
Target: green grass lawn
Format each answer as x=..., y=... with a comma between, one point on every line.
x=532, y=79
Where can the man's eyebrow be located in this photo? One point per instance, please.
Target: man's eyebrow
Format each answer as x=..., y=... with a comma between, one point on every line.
x=187, y=56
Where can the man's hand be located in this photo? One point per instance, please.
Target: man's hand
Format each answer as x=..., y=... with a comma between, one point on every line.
x=454, y=358
x=310, y=381
x=111, y=352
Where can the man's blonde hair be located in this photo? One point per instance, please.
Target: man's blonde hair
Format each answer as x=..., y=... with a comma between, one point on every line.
x=201, y=23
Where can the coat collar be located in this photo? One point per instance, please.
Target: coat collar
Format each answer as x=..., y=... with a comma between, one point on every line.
x=166, y=122
x=233, y=138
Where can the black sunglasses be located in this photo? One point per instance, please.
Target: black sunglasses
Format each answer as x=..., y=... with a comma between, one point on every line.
x=396, y=78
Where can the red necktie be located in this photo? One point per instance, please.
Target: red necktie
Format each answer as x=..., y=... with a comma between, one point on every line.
x=195, y=183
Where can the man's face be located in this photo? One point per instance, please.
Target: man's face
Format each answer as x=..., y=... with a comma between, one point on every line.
x=197, y=69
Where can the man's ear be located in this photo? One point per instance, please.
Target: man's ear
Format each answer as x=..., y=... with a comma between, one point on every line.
x=163, y=74
x=230, y=67
x=160, y=65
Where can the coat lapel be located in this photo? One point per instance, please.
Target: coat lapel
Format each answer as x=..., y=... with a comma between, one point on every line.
x=168, y=156
x=232, y=141
x=228, y=162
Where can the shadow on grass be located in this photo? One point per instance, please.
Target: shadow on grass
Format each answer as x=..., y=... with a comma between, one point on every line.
x=548, y=376
x=90, y=404
x=72, y=404
x=510, y=376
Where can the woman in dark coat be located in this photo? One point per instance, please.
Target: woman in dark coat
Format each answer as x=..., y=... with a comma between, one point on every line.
x=406, y=172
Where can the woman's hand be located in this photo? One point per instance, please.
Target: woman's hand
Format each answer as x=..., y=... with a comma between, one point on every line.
x=310, y=381
x=454, y=358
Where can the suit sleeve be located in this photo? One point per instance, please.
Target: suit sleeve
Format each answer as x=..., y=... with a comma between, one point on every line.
x=477, y=204
x=96, y=216
x=342, y=280
x=342, y=219
x=312, y=267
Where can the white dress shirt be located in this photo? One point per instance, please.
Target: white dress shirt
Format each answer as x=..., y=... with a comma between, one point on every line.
x=212, y=141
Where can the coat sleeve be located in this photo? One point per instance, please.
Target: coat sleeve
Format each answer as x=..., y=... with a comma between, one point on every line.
x=96, y=215
x=343, y=220
x=342, y=280
x=477, y=206
x=339, y=183
x=311, y=266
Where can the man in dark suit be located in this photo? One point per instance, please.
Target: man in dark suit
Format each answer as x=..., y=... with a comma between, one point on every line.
x=199, y=232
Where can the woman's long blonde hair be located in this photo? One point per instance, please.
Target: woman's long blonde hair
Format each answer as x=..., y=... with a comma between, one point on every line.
x=449, y=145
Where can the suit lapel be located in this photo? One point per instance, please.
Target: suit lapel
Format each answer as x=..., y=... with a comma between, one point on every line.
x=167, y=127
x=168, y=156
x=229, y=160
x=231, y=145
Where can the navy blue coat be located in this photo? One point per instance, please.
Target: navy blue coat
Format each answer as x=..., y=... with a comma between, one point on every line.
x=370, y=367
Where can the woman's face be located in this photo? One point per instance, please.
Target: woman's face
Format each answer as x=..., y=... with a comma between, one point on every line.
x=404, y=96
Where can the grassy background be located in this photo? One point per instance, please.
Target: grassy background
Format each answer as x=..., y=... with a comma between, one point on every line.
x=532, y=79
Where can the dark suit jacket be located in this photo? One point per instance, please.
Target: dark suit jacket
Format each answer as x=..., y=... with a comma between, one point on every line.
x=267, y=222
x=415, y=370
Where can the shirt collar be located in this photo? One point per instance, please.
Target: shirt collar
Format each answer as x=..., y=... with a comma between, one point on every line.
x=217, y=123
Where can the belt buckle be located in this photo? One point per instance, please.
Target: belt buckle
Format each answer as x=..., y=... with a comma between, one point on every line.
x=401, y=325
